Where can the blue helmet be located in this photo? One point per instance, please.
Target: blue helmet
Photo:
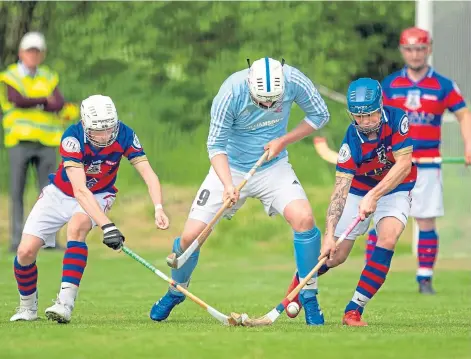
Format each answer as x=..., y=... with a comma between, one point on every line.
x=364, y=96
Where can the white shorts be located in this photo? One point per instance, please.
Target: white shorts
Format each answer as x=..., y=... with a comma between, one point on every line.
x=427, y=194
x=275, y=187
x=53, y=209
x=396, y=205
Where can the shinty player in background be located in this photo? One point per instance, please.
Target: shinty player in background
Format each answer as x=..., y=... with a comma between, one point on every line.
x=425, y=95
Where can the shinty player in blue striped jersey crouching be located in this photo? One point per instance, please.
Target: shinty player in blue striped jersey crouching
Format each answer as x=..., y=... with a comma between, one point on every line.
x=374, y=178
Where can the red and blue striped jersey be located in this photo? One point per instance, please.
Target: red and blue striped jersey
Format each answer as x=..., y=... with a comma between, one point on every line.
x=425, y=102
x=369, y=161
x=101, y=164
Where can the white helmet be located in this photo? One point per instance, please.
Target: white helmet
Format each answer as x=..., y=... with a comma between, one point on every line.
x=266, y=82
x=100, y=120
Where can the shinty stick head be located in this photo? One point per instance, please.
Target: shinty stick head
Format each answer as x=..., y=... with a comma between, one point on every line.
x=172, y=260
x=245, y=321
x=234, y=320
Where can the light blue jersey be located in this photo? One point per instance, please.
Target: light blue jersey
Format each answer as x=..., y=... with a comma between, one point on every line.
x=240, y=129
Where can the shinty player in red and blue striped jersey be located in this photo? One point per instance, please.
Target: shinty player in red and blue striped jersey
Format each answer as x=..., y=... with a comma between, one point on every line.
x=425, y=95
x=374, y=178
x=80, y=194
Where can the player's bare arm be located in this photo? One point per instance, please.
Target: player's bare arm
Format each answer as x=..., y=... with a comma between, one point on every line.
x=277, y=145
x=84, y=196
x=220, y=164
x=334, y=212
x=399, y=171
x=464, y=118
x=155, y=191
x=112, y=237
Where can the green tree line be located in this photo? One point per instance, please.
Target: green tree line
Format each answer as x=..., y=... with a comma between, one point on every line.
x=163, y=62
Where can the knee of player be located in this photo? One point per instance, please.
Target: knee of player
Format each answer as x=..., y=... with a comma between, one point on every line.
x=302, y=222
x=78, y=227
x=191, y=231
x=26, y=254
x=387, y=240
x=426, y=224
x=187, y=238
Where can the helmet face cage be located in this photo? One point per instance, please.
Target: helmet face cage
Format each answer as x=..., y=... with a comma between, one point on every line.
x=266, y=83
x=100, y=121
x=94, y=135
x=275, y=100
x=365, y=130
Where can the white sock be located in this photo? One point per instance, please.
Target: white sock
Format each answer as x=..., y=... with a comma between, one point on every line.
x=29, y=300
x=68, y=293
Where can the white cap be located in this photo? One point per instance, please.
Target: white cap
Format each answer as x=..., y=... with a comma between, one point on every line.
x=33, y=40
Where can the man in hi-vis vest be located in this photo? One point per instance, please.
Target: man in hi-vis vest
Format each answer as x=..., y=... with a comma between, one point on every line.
x=30, y=100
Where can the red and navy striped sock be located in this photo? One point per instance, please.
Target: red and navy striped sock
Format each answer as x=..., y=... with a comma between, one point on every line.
x=26, y=277
x=74, y=263
x=426, y=254
x=371, y=279
x=370, y=244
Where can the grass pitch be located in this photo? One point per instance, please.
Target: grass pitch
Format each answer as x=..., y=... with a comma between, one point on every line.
x=111, y=318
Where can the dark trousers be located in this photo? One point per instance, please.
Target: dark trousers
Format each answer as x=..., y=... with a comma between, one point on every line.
x=43, y=158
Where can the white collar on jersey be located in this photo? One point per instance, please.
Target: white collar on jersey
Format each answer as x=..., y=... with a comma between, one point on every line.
x=429, y=73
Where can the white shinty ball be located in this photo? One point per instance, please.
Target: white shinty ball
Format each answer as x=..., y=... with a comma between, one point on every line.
x=292, y=309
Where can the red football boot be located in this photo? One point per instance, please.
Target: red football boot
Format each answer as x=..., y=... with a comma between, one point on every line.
x=353, y=319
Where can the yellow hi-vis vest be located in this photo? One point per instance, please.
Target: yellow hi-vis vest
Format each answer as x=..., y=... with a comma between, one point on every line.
x=29, y=124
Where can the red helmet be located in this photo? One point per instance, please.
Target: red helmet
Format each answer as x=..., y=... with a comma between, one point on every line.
x=415, y=36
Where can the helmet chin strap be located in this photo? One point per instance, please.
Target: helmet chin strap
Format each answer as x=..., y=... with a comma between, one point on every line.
x=274, y=106
x=369, y=130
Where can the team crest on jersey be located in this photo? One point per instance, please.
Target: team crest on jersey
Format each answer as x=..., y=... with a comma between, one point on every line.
x=135, y=142
x=404, y=126
x=91, y=182
x=71, y=144
x=94, y=169
x=413, y=100
x=381, y=152
x=344, y=154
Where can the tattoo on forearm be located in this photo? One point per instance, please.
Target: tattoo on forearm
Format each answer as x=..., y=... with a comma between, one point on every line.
x=337, y=201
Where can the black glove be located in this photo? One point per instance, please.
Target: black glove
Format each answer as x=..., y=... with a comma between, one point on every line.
x=112, y=237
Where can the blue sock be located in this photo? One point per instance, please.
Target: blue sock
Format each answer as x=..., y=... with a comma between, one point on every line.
x=307, y=246
x=182, y=276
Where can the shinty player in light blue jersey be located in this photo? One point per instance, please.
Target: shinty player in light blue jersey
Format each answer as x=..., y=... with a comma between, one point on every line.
x=241, y=125
x=248, y=116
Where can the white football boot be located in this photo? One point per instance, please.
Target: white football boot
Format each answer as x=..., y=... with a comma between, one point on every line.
x=60, y=312
x=28, y=309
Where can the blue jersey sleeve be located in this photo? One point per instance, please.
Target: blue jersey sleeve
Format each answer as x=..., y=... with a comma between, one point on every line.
x=133, y=150
x=346, y=163
x=401, y=141
x=71, y=148
x=222, y=118
x=309, y=100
